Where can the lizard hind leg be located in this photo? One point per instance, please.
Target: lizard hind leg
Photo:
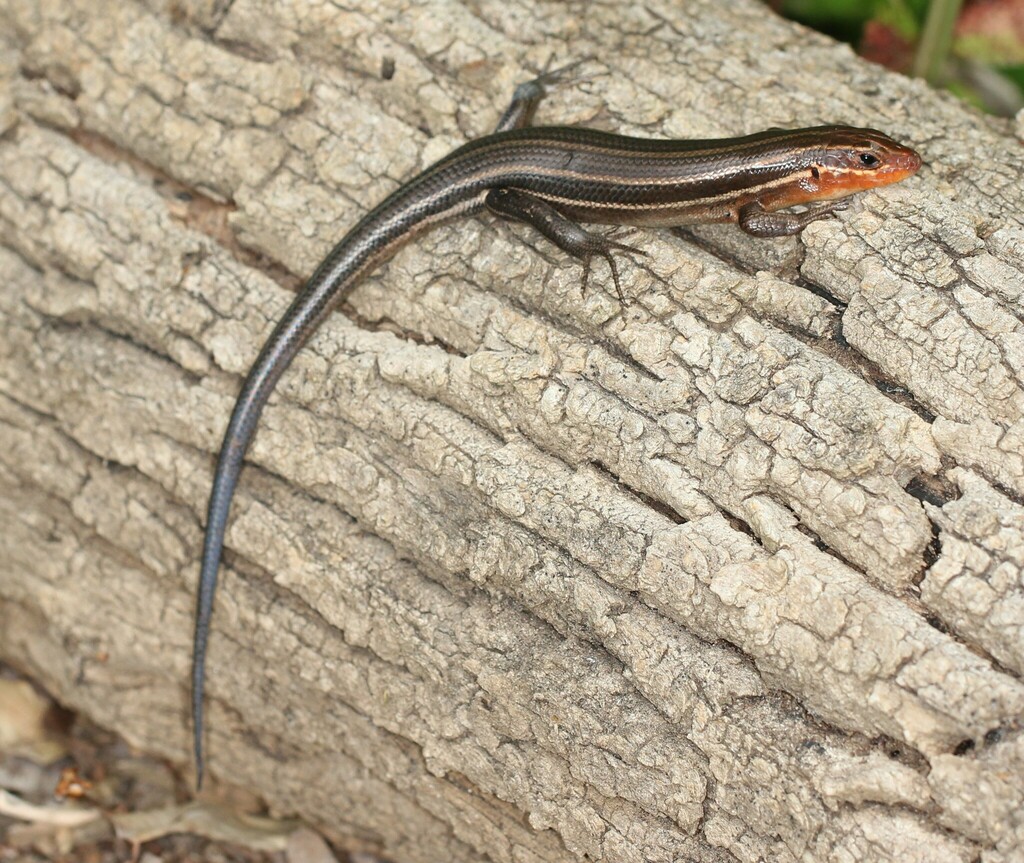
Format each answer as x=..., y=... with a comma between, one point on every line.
x=568, y=235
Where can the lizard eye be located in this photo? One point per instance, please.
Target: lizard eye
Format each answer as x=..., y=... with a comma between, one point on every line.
x=869, y=160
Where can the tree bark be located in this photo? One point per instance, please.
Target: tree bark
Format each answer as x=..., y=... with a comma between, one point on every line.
x=731, y=572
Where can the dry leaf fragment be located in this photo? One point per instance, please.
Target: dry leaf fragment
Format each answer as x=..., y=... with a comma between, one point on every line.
x=63, y=815
x=210, y=822
x=71, y=785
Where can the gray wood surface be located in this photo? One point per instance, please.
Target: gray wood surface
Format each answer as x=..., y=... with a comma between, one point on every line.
x=733, y=572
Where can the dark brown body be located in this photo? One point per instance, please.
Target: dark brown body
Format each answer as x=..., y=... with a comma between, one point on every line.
x=603, y=178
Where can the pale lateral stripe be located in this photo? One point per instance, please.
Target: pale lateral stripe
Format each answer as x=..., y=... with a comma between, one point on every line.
x=722, y=197
x=582, y=146
x=499, y=173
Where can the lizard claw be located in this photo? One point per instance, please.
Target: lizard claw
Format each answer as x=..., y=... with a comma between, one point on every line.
x=548, y=76
x=603, y=245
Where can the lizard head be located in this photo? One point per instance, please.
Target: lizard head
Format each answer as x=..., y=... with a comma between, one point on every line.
x=854, y=159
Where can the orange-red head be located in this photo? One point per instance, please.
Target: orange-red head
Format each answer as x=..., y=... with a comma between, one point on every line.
x=852, y=160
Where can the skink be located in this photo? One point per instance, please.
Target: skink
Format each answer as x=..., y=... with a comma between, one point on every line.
x=554, y=178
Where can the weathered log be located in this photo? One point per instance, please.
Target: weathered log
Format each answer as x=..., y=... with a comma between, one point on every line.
x=731, y=572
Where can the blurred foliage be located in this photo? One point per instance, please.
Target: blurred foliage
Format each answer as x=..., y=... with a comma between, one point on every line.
x=976, y=51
